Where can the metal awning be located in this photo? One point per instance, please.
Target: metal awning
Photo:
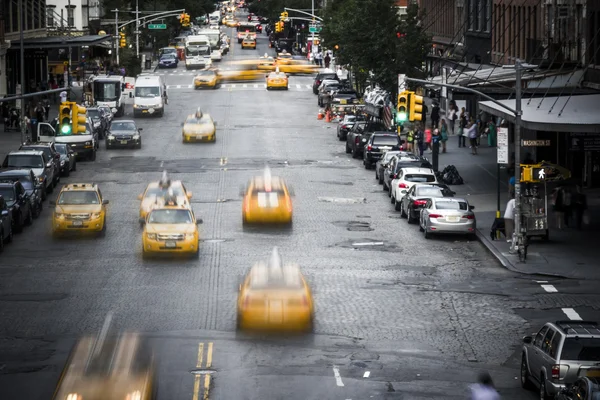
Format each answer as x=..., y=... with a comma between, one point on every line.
x=580, y=113
x=53, y=42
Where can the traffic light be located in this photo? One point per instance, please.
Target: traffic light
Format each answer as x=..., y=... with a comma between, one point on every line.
x=283, y=16
x=79, y=119
x=64, y=117
x=278, y=26
x=416, y=107
x=122, y=40
x=184, y=19
x=402, y=110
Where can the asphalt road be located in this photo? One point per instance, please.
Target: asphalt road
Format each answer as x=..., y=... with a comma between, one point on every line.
x=408, y=319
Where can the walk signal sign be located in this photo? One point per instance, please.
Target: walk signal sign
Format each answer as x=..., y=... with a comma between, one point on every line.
x=79, y=119
x=64, y=117
x=402, y=109
x=416, y=107
x=122, y=39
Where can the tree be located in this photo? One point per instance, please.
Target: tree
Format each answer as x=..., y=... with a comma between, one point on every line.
x=272, y=8
x=414, y=45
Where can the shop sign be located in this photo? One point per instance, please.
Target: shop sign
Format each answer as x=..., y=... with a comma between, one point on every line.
x=536, y=143
x=584, y=141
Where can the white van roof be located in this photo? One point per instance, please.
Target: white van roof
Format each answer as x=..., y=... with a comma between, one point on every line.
x=148, y=80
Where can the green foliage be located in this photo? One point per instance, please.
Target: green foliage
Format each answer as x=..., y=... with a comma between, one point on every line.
x=272, y=8
x=366, y=35
x=128, y=59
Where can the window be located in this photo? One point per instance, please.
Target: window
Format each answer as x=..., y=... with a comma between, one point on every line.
x=553, y=350
x=547, y=341
x=71, y=16
x=540, y=337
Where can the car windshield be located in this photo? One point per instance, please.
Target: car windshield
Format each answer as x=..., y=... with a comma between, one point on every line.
x=452, y=205
x=328, y=76
x=385, y=140
x=153, y=91
x=581, y=349
x=429, y=191
x=169, y=56
x=78, y=197
x=8, y=193
x=61, y=148
x=263, y=279
x=93, y=113
x=419, y=178
x=46, y=150
x=206, y=73
x=170, y=217
x=30, y=161
x=160, y=192
x=123, y=126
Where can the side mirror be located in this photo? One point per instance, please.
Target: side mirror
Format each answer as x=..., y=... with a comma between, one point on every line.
x=189, y=195
x=471, y=208
x=130, y=95
x=114, y=110
x=52, y=203
x=140, y=129
x=199, y=220
x=105, y=202
x=527, y=339
x=140, y=197
x=5, y=213
x=49, y=165
x=142, y=221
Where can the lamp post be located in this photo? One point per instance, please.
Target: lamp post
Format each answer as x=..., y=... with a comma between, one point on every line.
x=116, y=11
x=22, y=72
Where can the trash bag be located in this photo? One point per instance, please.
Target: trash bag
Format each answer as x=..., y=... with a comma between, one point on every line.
x=450, y=176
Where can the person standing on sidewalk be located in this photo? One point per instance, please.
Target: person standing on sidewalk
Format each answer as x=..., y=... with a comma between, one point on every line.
x=491, y=134
x=473, y=134
x=410, y=138
x=428, y=135
x=420, y=139
x=435, y=115
x=327, y=60
x=509, y=219
x=452, y=117
x=462, y=125
x=444, y=135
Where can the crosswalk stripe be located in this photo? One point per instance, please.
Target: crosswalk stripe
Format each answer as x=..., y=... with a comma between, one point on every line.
x=308, y=86
x=298, y=86
x=178, y=86
x=244, y=85
x=256, y=86
x=190, y=86
x=233, y=85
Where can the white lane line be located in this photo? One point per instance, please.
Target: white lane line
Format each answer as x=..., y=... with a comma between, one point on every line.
x=572, y=314
x=255, y=86
x=308, y=86
x=541, y=281
x=178, y=86
x=338, y=378
x=550, y=288
x=367, y=374
x=368, y=244
x=264, y=85
x=298, y=86
x=162, y=163
x=190, y=86
x=233, y=85
x=244, y=85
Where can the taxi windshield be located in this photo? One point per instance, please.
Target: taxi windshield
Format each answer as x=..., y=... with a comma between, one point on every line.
x=78, y=197
x=161, y=192
x=275, y=279
x=170, y=217
x=206, y=73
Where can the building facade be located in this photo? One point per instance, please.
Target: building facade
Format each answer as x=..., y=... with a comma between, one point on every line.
x=74, y=15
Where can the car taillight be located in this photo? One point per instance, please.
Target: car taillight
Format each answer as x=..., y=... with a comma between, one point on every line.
x=395, y=176
x=318, y=82
x=369, y=147
x=344, y=126
x=356, y=140
x=419, y=202
x=555, y=371
x=435, y=216
x=468, y=216
x=403, y=186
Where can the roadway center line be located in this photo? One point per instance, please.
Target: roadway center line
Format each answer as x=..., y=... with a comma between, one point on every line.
x=549, y=288
x=572, y=314
x=338, y=378
x=367, y=374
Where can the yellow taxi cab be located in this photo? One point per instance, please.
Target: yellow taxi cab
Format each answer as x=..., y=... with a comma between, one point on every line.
x=241, y=75
x=267, y=199
x=266, y=63
x=199, y=127
x=230, y=22
x=275, y=297
x=249, y=43
x=298, y=67
x=79, y=208
x=277, y=80
x=207, y=78
x=284, y=58
x=100, y=367
x=171, y=229
x=156, y=192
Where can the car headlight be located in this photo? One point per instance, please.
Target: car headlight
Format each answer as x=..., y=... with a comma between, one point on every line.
x=151, y=236
x=41, y=179
x=137, y=395
x=111, y=137
x=62, y=163
x=73, y=396
x=95, y=215
x=88, y=143
x=136, y=106
x=189, y=235
x=136, y=137
x=60, y=216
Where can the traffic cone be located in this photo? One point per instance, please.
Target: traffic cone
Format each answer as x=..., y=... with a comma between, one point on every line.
x=320, y=114
x=328, y=116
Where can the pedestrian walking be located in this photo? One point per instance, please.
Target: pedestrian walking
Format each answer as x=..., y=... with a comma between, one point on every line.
x=435, y=115
x=46, y=109
x=444, y=135
x=428, y=135
x=491, y=134
x=462, y=126
x=452, y=117
x=420, y=139
x=484, y=388
x=509, y=218
x=327, y=60
x=473, y=134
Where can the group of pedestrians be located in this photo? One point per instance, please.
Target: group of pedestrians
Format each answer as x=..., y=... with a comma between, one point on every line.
x=322, y=60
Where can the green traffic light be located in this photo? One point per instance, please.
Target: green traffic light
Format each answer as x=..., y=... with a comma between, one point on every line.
x=65, y=129
x=401, y=117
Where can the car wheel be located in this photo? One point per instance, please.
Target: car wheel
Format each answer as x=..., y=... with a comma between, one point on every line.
x=409, y=216
x=367, y=165
x=2, y=241
x=402, y=212
x=40, y=207
x=75, y=166
x=93, y=156
x=392, y=199
x=29, y=219
x=543, y=393
x=525, y=381
x=348, y=149
x=196, y=255
x=397, y=205
x=354, y=153
x=50, y=188
x=377, y=174
x=67, y=172
x=139, y=146
x=44, y=195
x=421, y=227
x=385, y=188
x=19, y=224
x=425, y=233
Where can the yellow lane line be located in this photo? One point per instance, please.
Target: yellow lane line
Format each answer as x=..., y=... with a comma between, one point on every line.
x=208, y=365
x=197, y=377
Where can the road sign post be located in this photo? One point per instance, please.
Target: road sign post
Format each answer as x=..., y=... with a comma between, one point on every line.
x=157, y=26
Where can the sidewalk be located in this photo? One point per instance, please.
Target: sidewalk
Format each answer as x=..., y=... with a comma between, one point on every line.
x=569, y=253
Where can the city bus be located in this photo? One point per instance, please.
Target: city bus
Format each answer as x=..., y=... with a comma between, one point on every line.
x=197, y=52
x=245, y=29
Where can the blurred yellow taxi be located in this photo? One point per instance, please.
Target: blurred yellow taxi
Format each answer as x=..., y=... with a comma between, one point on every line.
x=266, y=63
x=241, y=75
x=171, y=229
x=79, y=208
x=156, y=192
x=108, y=368
x=284, y=58
x=199, y=127
x=207, y=78
x=277, y=80
x=298, y=67
x=275, y=297
x=230, y=22
x=267, y=199
x=248, y=43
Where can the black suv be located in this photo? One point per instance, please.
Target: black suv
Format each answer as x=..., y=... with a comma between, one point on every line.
x=37, y=162
x=99, y=119
x=6, y=232
x=358, y=136
x=377, y=145
x=321, y=76
x=34, y=189
x=51, y=154
x=18, y=202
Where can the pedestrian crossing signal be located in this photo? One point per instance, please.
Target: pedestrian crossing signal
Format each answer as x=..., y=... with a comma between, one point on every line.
x=402, y=109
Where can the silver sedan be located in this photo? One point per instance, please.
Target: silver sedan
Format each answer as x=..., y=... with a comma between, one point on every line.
x=447, y=215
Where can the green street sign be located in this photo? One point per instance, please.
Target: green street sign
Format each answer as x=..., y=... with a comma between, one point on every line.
x=157, y=26
x=314, y=29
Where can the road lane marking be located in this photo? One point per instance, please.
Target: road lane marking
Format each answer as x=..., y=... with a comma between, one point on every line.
x=233, y=85
x=264, y=86
x=308, y=86
x=367, y=374
x=549, y=288
x=255, y=86
x=338, y=378
x=368, y=244
x=208, y=365
x=541, y=281
x=162, y=163
x=178, y=86
x=197, y=377
x=244, y=85
x=298, y=86
x=572, y=314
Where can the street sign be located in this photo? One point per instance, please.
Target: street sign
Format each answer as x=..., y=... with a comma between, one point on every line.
x=136, y=32
x=536, y=143
x=314, y=29
x=502, y=146
x=157, y=26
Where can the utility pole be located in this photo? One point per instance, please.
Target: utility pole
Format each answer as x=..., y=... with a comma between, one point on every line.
x=22, y=72
x=312, y=46
x=518, y=206
x=70, y=66
x=137, y=29
x=116, y=11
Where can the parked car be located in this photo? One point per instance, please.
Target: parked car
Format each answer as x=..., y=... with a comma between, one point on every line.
x=359, y=135
x=378, y=144
x=321, y=76
x=68, y=160
x=32, y=186
x=447, y=215
x=559, y=354
x=407, y=178
x=325, y=91
x=18, y=202
x=399, y=161
x=346, y=124
x=6, y=232
x=382, y=163
x=410, y=205
x=37, y=162
x=51, y=154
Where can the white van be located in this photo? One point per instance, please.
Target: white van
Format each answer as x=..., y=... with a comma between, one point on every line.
x=150, y=96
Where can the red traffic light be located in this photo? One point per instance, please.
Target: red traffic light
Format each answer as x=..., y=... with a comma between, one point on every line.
x=400, y=35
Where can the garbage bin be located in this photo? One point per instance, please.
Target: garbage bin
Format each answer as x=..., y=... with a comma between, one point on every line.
x=148, y=63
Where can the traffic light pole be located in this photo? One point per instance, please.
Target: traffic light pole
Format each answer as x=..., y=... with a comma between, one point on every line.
x=22, y=72
x=137, y=28
x=116, y=11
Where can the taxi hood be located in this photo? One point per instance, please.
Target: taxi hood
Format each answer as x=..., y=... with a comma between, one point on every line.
x=171, y=228
x=78, y=208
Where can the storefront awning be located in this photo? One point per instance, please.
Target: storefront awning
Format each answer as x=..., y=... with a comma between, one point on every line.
x=53, y=42
x=579, y=115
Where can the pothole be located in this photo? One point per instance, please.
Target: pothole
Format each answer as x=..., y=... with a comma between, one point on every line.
x=354, y=226
x=343, y=200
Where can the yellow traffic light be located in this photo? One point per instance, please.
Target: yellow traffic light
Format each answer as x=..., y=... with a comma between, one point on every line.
x=64, y=117
x=79, y=119
x=402, y=109
x=416, y=107
x=122, y=40
x=184, y=19
x=283, y=15
x=278, y=26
